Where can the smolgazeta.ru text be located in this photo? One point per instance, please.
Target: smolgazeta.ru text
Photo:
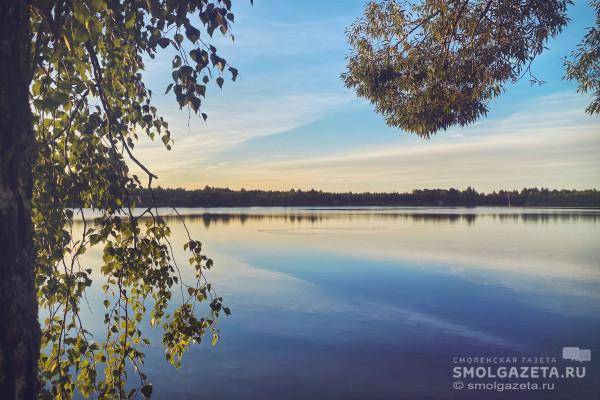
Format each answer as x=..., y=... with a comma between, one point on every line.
x=524, y=372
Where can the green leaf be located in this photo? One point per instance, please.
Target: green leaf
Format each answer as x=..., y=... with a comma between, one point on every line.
x=195, y=102
x=130, y=21
x=94, y=238
x=192, y=34
x=195, y=55
x=163, y=42
x=60, y=98
x=147, y=390
x=234, y=73
x=79, y=12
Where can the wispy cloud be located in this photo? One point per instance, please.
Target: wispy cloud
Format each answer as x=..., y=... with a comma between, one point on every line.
x=548, y=143
x=288, y=100
x=227, y=126
x=284, y=39
x=282, y=86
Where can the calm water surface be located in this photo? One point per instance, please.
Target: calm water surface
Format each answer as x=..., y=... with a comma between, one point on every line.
x=377, y=303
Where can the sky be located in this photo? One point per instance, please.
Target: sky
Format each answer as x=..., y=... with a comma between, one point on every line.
x=289, y=122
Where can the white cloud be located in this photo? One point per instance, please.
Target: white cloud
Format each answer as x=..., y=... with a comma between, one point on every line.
x=550, y=142
x=230, y=125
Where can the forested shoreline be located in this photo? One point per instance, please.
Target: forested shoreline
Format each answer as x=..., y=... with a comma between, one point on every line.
x=224, y=197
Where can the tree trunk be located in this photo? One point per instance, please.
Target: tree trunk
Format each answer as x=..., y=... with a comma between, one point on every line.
x=19, y=327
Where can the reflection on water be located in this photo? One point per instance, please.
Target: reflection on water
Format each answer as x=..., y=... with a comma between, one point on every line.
x=440, y=215
x=375, y=302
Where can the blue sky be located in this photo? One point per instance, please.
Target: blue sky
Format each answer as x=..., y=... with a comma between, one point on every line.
x=288, y=122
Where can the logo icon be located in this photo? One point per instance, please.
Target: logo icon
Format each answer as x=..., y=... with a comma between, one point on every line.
x=576, y=354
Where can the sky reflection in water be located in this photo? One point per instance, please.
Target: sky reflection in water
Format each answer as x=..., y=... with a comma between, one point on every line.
x=374, y=303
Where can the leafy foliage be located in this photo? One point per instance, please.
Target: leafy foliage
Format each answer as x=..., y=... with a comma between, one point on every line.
x=432, y=64
x=90, y=105
x=584, y=66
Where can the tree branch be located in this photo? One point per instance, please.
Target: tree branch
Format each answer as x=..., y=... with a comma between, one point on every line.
x=98, y=74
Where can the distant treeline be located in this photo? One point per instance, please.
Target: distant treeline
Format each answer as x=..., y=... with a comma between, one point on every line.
x=219, y=197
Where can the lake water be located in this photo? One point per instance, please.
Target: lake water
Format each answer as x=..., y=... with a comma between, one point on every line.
x=383, y=303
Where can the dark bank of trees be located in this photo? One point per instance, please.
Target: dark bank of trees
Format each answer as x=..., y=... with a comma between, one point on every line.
x=220, y=197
